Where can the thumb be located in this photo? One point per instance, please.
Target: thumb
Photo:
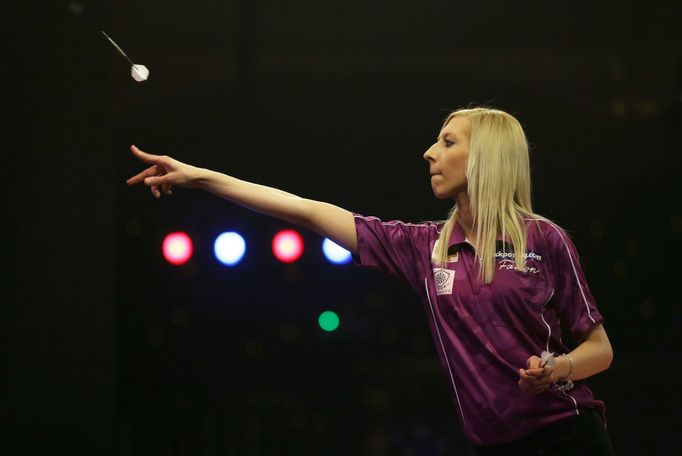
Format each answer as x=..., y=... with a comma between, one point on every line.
x=533, y=362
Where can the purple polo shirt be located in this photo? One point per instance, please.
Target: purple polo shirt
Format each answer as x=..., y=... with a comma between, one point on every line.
x=484, y=333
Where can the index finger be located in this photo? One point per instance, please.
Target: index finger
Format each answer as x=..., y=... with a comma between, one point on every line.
x=144, y=156
x=151, y=171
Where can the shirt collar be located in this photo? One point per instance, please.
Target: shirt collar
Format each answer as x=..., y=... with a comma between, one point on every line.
x=458, y=237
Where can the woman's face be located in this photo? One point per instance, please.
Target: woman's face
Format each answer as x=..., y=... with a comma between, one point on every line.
x=448, y=157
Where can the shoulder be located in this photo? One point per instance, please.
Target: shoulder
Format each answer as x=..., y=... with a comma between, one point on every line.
x=398, y=227
x=552, y=240
x=420, y=236
x=545, y=231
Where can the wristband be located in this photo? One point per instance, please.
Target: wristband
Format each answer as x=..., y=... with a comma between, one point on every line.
x=567, y=383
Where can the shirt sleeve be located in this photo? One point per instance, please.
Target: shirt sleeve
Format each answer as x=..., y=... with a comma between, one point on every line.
x=574, y=301
x=395, y=247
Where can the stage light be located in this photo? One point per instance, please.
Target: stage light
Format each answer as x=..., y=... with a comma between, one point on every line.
x=334, y=252
x=287, y=246
x=229, y=248
x=328, y=320
x=177, y=248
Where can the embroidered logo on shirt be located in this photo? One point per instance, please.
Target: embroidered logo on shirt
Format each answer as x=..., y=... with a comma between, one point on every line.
x=507, y=260
x=444, y=279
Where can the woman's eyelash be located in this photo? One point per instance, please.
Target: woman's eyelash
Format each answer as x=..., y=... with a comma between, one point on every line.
x=448, y=142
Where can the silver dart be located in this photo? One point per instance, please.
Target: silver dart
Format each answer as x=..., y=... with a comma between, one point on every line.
x=138, y=71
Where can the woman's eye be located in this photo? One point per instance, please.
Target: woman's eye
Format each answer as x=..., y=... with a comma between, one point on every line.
x=448, y=142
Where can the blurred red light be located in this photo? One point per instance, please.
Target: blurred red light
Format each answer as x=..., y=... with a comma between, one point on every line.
x=287, y=245
x=177, y=248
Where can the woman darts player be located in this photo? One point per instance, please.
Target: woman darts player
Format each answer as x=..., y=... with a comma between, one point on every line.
x=495, y=278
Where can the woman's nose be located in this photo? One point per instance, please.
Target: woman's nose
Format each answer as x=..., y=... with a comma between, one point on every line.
x=428, y=155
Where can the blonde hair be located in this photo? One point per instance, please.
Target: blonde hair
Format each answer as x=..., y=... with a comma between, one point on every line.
x=498, y=176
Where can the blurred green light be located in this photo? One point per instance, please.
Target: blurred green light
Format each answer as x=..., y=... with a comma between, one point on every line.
x=328, y=320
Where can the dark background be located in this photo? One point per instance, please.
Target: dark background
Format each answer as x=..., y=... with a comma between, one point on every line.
x=107, y=349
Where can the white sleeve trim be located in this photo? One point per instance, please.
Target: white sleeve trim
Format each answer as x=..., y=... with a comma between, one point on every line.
x=396, y=222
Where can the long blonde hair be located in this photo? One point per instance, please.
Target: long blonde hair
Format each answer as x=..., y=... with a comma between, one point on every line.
x=498, y=176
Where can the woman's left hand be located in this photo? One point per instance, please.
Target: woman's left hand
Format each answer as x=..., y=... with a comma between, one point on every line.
x=535, y=379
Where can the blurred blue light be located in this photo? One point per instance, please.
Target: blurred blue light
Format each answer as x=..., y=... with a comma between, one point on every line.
x=229, y=248
x=335, y=253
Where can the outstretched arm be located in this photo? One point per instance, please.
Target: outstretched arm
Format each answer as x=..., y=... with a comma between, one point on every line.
x=325, y=219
